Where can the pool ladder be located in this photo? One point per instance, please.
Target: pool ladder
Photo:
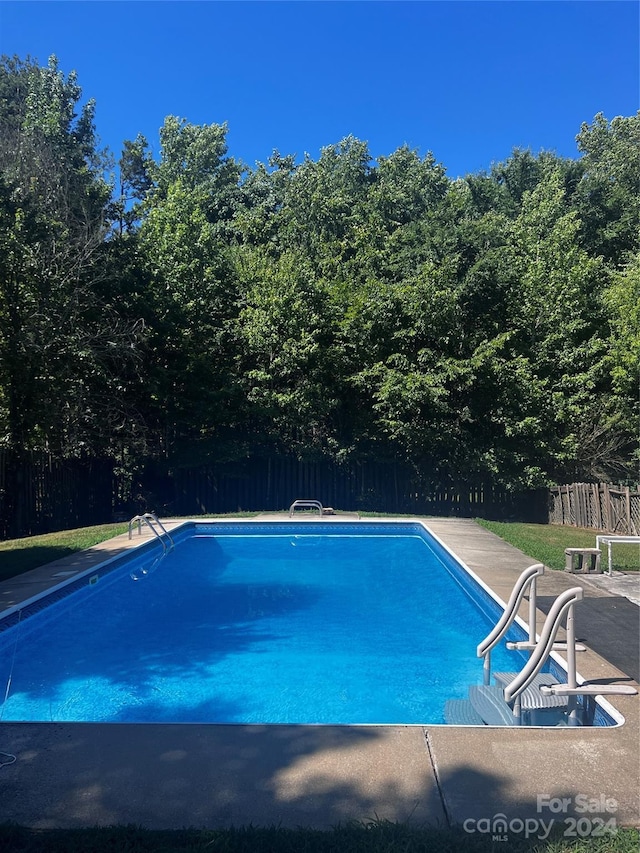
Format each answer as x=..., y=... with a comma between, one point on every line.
x=503, y=703
x=153, y=522
x=305, y=504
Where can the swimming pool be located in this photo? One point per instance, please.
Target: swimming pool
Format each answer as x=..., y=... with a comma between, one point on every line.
x=316, y=623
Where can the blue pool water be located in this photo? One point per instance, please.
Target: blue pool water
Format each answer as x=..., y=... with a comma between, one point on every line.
x=257, y=624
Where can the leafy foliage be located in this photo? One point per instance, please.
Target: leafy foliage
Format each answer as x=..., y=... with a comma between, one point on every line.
x=62, y=349
x=482, y=328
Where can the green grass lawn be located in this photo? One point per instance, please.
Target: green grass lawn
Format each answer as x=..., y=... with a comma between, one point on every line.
x=21, y=555
x=376, y=837
x=546, y=543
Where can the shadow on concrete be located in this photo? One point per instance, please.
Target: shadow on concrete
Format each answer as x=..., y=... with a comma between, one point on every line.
x=18, y=560
x=484, y=805
x=610, y=626
x=159, y=776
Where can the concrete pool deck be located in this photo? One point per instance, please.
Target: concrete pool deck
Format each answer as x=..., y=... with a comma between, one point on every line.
x=173, y=776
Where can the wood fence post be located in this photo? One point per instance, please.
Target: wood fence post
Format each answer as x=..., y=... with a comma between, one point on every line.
x=595, y=489
x=580, y=519
x=607, y=506
x=584, y=489
x=572, y=503
x=627, y=507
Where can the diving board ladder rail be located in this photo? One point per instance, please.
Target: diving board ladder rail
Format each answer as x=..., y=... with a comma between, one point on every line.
x=526, y=580
x=152, y=521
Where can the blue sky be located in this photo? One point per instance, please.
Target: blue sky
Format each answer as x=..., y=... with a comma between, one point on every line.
x=466, y=79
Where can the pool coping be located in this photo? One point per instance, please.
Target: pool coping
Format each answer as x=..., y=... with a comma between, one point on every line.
x=172, y=775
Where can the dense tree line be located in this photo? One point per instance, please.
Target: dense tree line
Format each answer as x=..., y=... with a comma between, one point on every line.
x=198, y=309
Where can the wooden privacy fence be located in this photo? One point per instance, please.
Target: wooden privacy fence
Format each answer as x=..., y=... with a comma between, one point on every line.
x=41, y=494
x=601, y=506
x=365, y=485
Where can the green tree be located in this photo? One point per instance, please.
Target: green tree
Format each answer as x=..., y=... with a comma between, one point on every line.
x=135, y=182
x=184, y=238
x=323, y=205
x=607, y=197
x=60, y=350
x=558, y=315
x=288, y=357
x=261, y=217
x=615, y=433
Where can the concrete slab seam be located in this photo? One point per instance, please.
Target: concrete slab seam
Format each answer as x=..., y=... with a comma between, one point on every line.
x=436, y=776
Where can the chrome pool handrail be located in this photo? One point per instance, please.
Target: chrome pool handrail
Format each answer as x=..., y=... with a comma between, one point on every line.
x=305, y=504
x=151, y=519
